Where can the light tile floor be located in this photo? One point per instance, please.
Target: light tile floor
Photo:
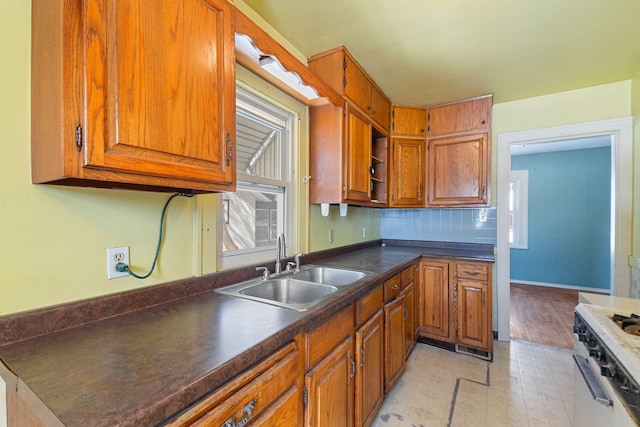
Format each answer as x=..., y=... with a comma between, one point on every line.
x=527, y=384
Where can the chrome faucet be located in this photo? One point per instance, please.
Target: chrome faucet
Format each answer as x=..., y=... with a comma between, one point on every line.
x=281, y=252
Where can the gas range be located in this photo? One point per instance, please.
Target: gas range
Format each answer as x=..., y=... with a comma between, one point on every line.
x=603, y=350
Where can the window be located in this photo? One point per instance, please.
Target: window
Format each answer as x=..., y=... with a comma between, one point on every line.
x=518, y=209
x=256, y=213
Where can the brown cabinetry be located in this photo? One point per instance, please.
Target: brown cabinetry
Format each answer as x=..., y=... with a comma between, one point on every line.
x=459, y=153
x=408, y=172
x=455, y=302
x=122, y=103
x=466, y=116
x=339, y=69
x=369, y=369
x=330, y=370
x=348, y=157
x=394, y=336
x=268, y=394
x=409, y=121
x=409, y=280
x=458, y=170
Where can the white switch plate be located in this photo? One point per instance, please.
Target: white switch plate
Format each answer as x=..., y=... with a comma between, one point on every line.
x=364, y=231
x=114, y=256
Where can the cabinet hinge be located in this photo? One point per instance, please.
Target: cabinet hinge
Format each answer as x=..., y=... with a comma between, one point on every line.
x=428, y=116
x=344, y=63
x=305, y=397
x=344, y=190
x=79, y=137
x=484, y=191
x=344, y=81
x=484, y=299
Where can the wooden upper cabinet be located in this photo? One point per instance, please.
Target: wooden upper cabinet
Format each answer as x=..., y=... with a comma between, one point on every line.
x=408, y=174
x=409, y=121
x=339, y=69
x=459, y=170
x=357, y=158
x=144, y=100
x=471, y=115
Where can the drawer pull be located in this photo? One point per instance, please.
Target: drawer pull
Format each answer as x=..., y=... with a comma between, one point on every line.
x=409, y=276
x=471, y=273
x=394, y=288
x=248, y=409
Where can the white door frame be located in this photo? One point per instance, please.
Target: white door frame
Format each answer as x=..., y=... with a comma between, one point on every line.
x=621, y=132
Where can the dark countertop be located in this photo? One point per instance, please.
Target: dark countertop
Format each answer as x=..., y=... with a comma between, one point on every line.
x=142, y=367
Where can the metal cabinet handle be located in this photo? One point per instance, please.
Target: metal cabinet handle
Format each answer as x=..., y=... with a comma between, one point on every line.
x=471, y=273
x=394, y=288
x=248, y=409
x=409, y=276
x=362, y=358
x=230, y=148
x=594, y=386
x=353, y=369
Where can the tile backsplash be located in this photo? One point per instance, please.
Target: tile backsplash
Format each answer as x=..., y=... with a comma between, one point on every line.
x=447, y=225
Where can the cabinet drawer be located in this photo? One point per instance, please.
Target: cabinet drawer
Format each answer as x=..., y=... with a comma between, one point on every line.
x=368, y=305
x=408, y=275
x=472, y=270
x=253, y=392
x=319, y=342
x=392, y=287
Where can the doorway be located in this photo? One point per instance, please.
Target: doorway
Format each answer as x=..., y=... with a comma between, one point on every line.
x=620, y=132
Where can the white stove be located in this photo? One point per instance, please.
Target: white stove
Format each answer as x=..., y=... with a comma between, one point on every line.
x=607, y=369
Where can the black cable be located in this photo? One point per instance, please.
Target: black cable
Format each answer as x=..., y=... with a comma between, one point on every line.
x=124, y=267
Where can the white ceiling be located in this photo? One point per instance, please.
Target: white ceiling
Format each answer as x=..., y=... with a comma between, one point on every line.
x=425, y=52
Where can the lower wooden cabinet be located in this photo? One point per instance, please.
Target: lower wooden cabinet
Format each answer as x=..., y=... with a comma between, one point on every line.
x=369, y=370
x=455, y=302
x=268, y=394
x=394, y=364
x=330, y=389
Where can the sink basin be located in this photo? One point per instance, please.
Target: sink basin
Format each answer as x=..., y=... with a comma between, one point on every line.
x=289, y=291
x=298, y=290
x=329, y=275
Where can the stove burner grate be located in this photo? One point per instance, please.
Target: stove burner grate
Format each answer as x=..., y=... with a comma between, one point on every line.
x=629, y=324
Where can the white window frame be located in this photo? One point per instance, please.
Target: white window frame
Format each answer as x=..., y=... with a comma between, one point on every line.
x=520, y=181
x=269, y=110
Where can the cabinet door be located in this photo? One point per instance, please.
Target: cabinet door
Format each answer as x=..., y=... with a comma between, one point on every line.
x=409, y=318
x=409, y=121
x=330, y=388
x=460, y=117
x=356, y=85
x=434, y=301
x=357, y=157
x=473, y=314
x=459, y=170
x=369, y=370
x=407, y=173
x=160, y=91
x=394, y=361
x=380, y=108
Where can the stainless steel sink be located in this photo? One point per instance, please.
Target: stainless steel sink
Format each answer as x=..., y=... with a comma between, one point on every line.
x=299, y=290
x=289, y=291
x=329, y=275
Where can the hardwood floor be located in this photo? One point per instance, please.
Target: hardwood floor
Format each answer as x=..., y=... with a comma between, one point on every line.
x=543, y=315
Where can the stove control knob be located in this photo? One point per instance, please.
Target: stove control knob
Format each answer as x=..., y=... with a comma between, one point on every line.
x=608, y=370
x=582, y=336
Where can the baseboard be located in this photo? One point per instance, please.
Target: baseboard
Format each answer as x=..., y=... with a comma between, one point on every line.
x=561, y=286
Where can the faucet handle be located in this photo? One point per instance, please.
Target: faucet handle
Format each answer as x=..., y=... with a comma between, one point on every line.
x=297, y=260
x=265, y=272
x=289, y=265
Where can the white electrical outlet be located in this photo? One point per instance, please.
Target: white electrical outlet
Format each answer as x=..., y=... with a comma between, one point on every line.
x=114, y=256
x=364, y=231
x=331, y=235
x=482, y=215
